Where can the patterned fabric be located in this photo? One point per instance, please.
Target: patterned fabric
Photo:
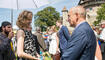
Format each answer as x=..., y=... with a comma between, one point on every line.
x=29, y=44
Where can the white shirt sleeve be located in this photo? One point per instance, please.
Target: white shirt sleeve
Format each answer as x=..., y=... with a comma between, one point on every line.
x=96, y=58
x=102, y=35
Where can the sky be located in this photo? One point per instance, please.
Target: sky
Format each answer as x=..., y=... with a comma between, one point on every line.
x=5, y=13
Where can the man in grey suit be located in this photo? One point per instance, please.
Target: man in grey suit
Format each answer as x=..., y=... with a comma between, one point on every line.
x=40, y=41
x=82, y=45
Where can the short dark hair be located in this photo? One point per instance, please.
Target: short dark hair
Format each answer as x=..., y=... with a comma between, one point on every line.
x=60, y=21
x=4, y=24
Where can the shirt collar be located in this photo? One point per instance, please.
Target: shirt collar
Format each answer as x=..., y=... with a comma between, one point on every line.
x=80, y=23
x=60, y=27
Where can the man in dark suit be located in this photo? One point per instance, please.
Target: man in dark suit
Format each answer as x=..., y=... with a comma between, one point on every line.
x=82, y=45
x=63, y=35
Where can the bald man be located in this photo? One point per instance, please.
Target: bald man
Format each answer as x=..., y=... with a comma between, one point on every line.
x=82, y=45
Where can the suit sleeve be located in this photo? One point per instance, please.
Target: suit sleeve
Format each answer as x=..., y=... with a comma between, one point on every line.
x=4, y=44
x=75, y=47
x=66, y=33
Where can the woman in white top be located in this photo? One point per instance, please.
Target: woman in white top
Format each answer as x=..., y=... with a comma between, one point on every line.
x=53, y=40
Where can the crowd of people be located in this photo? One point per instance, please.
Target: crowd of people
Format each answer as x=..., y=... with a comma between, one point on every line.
x=85, y=43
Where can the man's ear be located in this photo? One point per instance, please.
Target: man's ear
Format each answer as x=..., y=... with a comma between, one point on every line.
x=3, y=28
x=77, y=16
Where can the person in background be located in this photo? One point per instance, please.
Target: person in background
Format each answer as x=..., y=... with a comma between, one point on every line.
x=54, y=42
x=82, y=45
x=26, y=48
x=102, y=38
x=40, y=39
x=98, y=55
x=6, y=34
x=45, y=36
x=63, y=35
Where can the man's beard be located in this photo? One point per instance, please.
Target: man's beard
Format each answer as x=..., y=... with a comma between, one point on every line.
x=6, y=32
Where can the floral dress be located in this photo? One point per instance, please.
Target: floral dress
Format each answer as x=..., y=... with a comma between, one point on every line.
x=29, y=44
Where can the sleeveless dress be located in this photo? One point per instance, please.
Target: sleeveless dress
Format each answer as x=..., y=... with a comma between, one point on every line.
x=53, y=44
x=29, y=44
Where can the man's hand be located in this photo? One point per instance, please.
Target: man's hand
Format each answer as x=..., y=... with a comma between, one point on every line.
x=10, y=35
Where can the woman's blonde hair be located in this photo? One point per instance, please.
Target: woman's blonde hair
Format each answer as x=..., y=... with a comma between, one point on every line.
x=53, y=28
x=22, y=18
x=60, y=21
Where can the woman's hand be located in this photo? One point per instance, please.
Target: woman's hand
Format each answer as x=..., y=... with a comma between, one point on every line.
x=38, y=55
x=37, y=58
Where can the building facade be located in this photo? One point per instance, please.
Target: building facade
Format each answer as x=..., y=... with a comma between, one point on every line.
x=91, y=7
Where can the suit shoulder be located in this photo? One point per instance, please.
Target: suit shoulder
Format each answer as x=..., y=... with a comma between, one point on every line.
x=64, y=28
x=84, y=27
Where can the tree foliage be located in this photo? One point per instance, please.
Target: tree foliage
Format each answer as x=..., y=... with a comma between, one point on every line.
x=100, y=14
x=46, y=17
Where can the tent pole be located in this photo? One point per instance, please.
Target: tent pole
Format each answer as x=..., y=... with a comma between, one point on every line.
x=12, y=17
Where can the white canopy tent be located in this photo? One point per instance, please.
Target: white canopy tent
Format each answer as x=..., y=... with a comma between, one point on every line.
x=21, y=4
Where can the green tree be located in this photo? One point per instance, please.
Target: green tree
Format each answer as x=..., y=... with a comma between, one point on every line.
x=100, y=14
x=46, y=17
